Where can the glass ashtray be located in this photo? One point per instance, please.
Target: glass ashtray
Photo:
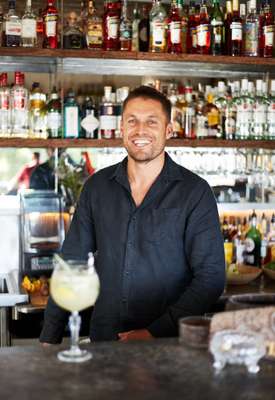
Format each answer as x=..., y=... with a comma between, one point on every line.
x=235, y=347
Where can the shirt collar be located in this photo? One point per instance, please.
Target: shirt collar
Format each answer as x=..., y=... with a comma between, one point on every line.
x=171, y=170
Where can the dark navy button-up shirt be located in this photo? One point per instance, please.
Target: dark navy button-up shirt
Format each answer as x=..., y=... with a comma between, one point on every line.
x=156, y=262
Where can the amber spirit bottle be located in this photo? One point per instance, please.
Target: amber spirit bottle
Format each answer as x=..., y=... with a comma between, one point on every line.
x=158, y=28
x=125, y=30
x=203, y=31
x=174, y=42
x=236, y=28
x=111, y=19
x=267, y=31
x=217, y=30
x=93, y=28
x=50, y=21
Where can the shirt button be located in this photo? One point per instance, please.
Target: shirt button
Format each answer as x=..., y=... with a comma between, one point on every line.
x=127, y=272
x=124, y=299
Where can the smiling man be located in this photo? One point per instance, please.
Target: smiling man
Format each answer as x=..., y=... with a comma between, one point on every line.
x=155, y=229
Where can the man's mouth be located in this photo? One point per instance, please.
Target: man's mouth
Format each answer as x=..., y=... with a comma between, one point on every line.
x=141, y=142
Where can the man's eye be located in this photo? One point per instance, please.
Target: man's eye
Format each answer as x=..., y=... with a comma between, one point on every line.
x=152, y=122
x=131, y=121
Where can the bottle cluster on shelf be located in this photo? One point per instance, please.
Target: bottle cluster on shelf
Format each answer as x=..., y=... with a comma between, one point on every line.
x=32, y=114
x=238, y=110
x=205, y=28
x=249, y=241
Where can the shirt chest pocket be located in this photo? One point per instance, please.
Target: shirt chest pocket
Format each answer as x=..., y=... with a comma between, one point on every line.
x=160, y=224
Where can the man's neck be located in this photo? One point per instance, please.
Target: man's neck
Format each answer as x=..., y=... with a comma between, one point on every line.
x=144, y=173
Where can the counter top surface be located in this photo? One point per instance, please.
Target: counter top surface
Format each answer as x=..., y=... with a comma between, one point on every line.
x=160, y=369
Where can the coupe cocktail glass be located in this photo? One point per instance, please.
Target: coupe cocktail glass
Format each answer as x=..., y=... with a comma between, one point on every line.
x=74, y=286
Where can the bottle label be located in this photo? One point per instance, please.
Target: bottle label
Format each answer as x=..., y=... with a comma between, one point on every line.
x=51, y=25
x=19, y=102
x=158, y=33
x=71, y=122
x=112, y=27
x=13, y=28
x=108, y=122
x=269, y=35
x=94, y=34
x=259, y=114
x=217, y=30
x=4, y=101
x=54, y=120
x=194, y=37
x=175, y=32
x=143, y=34
x=203, y=35
x=236, y=31
x=28, y=28
x=251, y=38
x=125, y=34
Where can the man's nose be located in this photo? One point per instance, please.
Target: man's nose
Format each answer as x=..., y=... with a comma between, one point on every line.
x=141, y=127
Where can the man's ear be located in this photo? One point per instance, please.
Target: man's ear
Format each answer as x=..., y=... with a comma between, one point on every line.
x=169, y=131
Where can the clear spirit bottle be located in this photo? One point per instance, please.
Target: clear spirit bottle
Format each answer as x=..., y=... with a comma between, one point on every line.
x=251, y=31
x=271, y=112
x=13, y=27
x=5, y=127
x=71, y=117
x=158, y=28
x=107, y=115
x=54, y=124
x=29, y=32
x=259, y=113
x=19, y=107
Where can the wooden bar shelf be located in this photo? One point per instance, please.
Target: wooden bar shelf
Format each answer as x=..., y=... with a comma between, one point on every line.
x=108, y=143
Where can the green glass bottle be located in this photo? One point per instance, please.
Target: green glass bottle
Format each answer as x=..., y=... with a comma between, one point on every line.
x=217, y=30
x=253, y=244
x=71, y=117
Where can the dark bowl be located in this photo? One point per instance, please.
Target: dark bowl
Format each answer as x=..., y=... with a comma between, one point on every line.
x=243, y=301
x=194, y=331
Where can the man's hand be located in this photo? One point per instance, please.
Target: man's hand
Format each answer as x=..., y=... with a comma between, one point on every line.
x=139, y=334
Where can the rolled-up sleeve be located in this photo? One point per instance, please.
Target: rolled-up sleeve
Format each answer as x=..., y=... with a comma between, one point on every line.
x=204, y=250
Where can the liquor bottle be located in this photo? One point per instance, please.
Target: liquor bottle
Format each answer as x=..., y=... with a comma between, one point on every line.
x=217, y=30
x=125, y=29
x=19, y=107
x=189, y=125
x=267, y=31
x=121, y=94
x=1, y=26
x=251, y=31
x=253, y=244
x=72, y=34
x=221, y=102
x=271, y=239
x=176, y=111
x=158, y=28
x=201, y=119
x=107, y=115
x=29, y=33
x=93, y=28
x=4, y=106
x=211, y=113
x=13, y=27
x=144, y=30
x=271, y=112
x=135, y=31
x=236, y=28
x=83, y=15
x=50, y=23
x=37, y=112
x=174, y=40
x=203, y=30
x=184, y=23
x=192, y=29
x=54, y=121
x=244, y=106
x=227, y=26
x=71, y=116
x=231, y=112
x=89, y=122
x=40, y=28
x=259, y=113
x=111, y=20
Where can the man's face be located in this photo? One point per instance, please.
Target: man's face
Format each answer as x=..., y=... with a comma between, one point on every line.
x=145, y=129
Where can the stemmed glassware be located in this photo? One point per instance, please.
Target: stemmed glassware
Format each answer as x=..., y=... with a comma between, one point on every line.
x=74, y=286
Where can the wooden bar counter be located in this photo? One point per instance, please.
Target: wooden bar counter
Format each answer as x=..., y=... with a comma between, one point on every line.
x=161, y=369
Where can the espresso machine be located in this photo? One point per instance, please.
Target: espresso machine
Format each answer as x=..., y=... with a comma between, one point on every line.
x=42, y=231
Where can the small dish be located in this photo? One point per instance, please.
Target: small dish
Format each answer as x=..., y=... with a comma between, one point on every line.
x=194, y=331
x=245, y=274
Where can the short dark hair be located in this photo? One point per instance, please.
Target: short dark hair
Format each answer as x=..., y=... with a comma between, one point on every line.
x=147, y=92
x=36, y=155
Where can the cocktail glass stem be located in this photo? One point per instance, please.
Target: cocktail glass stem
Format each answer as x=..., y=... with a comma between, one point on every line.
x=74, y=324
